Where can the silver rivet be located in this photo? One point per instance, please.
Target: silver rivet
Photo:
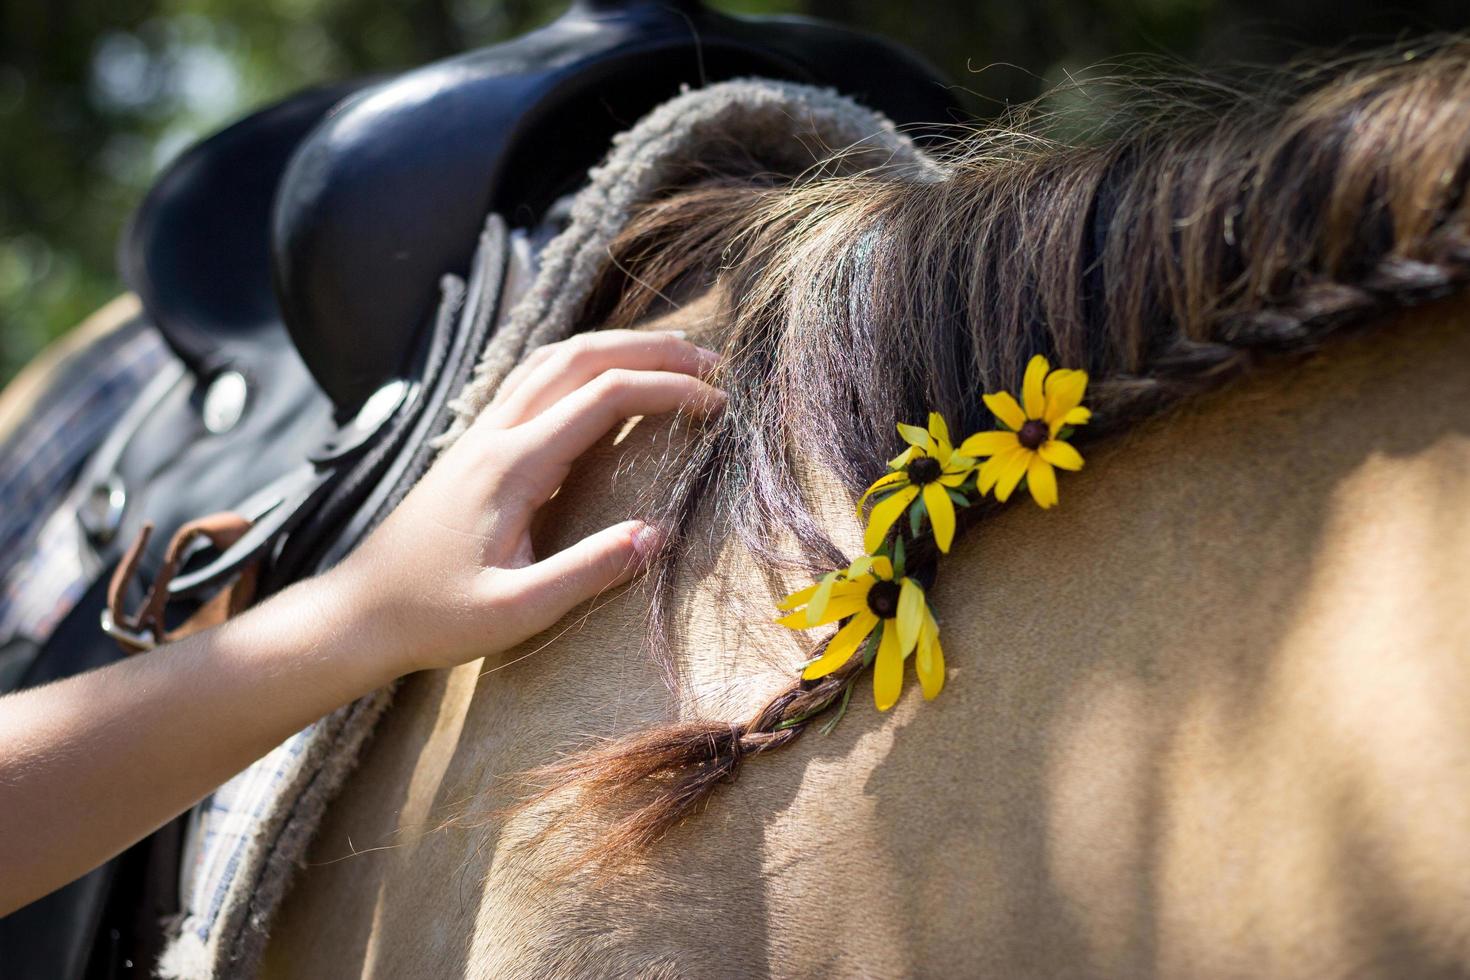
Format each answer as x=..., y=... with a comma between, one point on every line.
x=101, y=510
x=380, y=405
x=224, y=402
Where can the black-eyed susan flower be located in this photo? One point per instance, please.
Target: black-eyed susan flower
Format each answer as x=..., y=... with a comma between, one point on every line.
x=874, y=601
x=1035, y=438
x=927, y=475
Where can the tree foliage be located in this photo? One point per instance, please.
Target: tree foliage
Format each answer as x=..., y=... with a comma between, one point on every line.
x=97, y=95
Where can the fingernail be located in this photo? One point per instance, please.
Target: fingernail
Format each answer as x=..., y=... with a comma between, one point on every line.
x=719, y=400
x=681, y=334
x=646, y=541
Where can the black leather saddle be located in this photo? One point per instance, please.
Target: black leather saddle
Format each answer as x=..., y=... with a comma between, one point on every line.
x=295, y=263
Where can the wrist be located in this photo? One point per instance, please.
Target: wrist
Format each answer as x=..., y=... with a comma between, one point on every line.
x=335, y=618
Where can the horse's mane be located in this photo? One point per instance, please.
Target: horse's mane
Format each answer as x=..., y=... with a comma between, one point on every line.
x=1187, y=233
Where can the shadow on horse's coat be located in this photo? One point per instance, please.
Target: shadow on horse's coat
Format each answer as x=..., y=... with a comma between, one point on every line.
x=1207, y=718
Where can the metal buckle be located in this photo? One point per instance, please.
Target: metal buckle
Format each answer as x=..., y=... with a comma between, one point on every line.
x=143, y=641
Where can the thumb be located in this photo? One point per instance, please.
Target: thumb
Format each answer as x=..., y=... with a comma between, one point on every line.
x=554, y=586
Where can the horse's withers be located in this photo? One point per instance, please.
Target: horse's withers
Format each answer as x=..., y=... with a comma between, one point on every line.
x=1205, y=719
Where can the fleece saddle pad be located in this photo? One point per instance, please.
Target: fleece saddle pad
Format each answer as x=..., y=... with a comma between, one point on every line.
x=258, y=829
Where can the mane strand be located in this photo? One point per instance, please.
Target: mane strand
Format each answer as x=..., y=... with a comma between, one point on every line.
x=1193, y=233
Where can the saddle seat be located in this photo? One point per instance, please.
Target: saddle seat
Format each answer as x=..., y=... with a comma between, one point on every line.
x=318, y=230
x=389, y=189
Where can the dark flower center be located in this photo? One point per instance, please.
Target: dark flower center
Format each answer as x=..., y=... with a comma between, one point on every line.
x=883, y=599
x=1033, y=434
x=923, y=470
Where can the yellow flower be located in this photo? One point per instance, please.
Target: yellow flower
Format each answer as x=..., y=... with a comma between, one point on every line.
x=925, y=472
x=869, y=596
x=1051, y=400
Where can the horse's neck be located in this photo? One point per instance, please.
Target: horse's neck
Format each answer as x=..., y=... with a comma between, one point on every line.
x=1208, y=717
x=1240, y=499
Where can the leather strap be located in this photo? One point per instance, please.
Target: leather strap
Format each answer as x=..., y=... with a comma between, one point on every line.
x=146, y=628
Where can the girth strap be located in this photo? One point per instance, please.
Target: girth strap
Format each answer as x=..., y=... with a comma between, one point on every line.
x=145, y=629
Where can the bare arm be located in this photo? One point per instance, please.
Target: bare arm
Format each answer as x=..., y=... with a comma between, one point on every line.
x=91, y=764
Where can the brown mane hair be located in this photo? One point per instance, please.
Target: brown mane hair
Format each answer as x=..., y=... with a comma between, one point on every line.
x=1192, y=232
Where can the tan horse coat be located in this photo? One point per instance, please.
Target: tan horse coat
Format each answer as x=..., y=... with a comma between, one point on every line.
x=1208, y=718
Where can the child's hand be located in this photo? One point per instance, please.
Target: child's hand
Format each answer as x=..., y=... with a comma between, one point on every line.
x=450, y=575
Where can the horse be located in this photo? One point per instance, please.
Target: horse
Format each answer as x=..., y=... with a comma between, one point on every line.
x=1207, y=717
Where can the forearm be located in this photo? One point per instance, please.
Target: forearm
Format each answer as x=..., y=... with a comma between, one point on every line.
x=94, y=763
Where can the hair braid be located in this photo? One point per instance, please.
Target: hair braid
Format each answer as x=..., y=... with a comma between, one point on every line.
x=1304, y=319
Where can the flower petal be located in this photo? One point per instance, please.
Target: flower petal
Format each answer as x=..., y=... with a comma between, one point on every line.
x=882, y=567
x=818, y=605
x=941, y=514
x=929, y=660
x=798, y=598
x=915, y=436
x=958, y=461
x=844, y=588
x=794, y=621
x=995, y=466
x=990, y=471
x=840, y=607
x=910, y=615
x=956, y=479
x=883, y=482
x=1005, y=408
x=1033, y=394
x=1077, y=416
x=884, y=514
x=939, y=430
x=1011, y=472
x=888, y=670
x=832, y=587
x=902, y=459
x=842, y=646
x=989, y=443
x=1061, y=454
x=1042, y=481
x=1064, y=390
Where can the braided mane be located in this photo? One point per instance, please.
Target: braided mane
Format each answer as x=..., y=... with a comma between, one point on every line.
x=1191, y=232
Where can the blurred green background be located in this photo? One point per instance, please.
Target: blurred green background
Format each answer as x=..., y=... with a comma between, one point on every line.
x=97, y=95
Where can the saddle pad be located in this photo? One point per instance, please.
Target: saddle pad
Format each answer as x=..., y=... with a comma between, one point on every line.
x=42, y=566
x=242, y=872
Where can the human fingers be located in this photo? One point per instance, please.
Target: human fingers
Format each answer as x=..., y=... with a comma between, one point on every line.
x=555, y=370
x=510, y=472
x=517, y=375
x=539, y=595
x=547, y=445
x=537, y=357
